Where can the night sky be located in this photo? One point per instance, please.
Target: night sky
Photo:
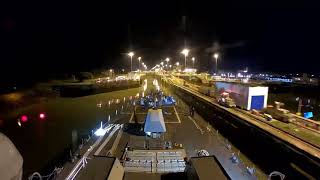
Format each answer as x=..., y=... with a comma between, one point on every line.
x=40, y=38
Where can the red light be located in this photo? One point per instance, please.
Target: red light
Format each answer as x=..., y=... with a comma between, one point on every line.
x=42, y=115
x=24, y=118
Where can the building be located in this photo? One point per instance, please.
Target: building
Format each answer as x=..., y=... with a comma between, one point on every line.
x=245, y=96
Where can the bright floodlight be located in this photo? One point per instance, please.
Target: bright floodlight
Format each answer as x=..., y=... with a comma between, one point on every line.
x=161, y=63
x=185, y=52
x=216, y=55
x=100, y=131
x=139, y=58
x=177, y=63
x=193, y=58
x=130, y=54
x=167, y=59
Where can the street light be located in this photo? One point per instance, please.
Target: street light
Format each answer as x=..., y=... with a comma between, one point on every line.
x=131, y=54
x=193, y=59
x=177, y=63
x=167, y=60
x=185, y=52
x=216, y=56
x=139, y=58
x=161, y=63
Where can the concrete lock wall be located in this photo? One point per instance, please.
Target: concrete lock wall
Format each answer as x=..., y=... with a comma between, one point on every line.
x=117, y=171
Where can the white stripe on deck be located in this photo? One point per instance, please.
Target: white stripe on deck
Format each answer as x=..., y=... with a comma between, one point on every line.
x=197, y=126
x=116, y=141
x=175, y=111
x=106, y=140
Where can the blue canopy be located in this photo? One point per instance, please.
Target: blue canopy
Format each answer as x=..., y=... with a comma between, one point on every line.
x=154, y=122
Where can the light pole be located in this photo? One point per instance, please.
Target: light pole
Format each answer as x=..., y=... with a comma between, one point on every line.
x=139, y=58
x=167, y=60
x=193, y=59
x=185, y=52
x=131, y=54
x=216, y=56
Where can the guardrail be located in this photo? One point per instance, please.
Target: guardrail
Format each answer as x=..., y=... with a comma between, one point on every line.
x=307, y=123
x=83, y=161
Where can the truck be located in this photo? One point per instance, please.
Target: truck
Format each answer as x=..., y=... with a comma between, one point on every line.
x=279, y=113
x=226, y=102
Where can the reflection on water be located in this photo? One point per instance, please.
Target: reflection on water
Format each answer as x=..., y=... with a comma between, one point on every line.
x=43, y=138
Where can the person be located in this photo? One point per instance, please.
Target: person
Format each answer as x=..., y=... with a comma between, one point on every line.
x=192, y=109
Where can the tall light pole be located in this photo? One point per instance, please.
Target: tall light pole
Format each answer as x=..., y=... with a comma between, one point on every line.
x=216, y=56
x=131, y=54
x=139, y=58
x=193, y=59
x=167, y=60
x=185, y=52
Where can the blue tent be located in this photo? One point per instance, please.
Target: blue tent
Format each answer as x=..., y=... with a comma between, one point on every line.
x=154, y=122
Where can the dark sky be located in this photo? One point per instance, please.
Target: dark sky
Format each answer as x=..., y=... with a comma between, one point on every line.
x=38, y=38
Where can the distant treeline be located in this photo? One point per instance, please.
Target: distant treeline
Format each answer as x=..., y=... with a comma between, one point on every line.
x=79, y=90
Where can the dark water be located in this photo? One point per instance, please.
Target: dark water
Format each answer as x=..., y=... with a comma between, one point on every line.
x=44, y=143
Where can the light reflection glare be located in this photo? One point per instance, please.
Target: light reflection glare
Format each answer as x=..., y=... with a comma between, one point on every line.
x=19, y=122
x=100, y=131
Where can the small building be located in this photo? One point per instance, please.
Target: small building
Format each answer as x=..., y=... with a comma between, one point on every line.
x=154, y=124
x=245, y=96
x=206, y=168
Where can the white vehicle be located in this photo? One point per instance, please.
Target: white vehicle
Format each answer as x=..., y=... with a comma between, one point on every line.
x=227, y=102
x=203, y=152
x=120, y=78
